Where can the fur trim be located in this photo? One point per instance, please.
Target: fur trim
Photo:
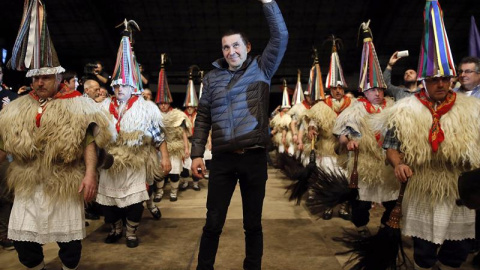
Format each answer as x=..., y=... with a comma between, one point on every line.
x=324, y=118
x=133, y=147
x=172, y=122
x=372, y=169
x=281, y=121
x=298, y=110
x=52, y=152
x=435, y=174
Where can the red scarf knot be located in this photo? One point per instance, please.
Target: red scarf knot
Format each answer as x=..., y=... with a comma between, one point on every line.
x=113, y=109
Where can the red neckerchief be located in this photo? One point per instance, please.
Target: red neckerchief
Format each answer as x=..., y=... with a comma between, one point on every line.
x=371, y=110
x=114, y=109
x=63, y=93
x=346, y=102
x=436, y=135
x=305, y=103
x=191, y=117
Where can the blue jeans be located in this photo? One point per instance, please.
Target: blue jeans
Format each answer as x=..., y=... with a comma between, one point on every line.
x=250, y=170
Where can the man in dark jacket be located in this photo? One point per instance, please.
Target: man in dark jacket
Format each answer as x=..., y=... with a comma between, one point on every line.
x=234, y=104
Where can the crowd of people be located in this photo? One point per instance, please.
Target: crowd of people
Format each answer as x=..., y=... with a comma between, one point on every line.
x=108, y=142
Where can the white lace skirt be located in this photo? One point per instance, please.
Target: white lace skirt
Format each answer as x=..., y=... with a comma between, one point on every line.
x=41, y=219
x=123, y=189
x=443, y=221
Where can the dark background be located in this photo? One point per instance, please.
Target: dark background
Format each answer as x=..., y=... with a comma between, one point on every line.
x=189, y=31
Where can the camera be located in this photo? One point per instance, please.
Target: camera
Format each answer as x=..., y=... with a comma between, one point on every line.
x=89, y=69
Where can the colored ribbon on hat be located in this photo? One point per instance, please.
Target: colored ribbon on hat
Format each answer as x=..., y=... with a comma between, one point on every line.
x=436, y=135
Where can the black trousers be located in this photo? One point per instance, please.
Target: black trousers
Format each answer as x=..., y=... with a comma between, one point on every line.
x=450, y=253
x=361, y=212
x=30, y=254
x=250, y=170
x=132, y=212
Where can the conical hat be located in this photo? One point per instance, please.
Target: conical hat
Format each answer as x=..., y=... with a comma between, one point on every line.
x=298, y=96
x=191, y=99
x=335, y=72
x=163, y=90
x=371, y=75
x=315, y=85
x=285, y=97
x=435, y=58
x=33, y=49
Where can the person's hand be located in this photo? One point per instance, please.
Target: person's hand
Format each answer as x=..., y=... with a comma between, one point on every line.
x=187, y=151
x=5, y=102
x=22, y=89
x=89, y=186
x=166, y=165
x=198, y=167
x=403, y=172
x=300, y=146
x=352, y=145
x=393, y=59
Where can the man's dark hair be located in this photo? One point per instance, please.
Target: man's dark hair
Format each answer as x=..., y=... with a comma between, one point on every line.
x=236, y=32
x=469, y=60
x=68, y=75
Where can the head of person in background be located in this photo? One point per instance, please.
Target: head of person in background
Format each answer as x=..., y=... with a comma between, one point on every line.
x=91, y=89
x=103, y=94
x=469, y=73
x=410, y=77
x=99, y=67
x=70, y=79
x=147, y=94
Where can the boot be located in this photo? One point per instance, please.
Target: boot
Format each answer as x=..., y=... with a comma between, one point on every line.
x=344, y=212
x=196, y=187
x=116, y=233
x=442, y=266
x=184, y=185
x=131, y=234
x=327, y=214
x=173, y=191
x=159, y=192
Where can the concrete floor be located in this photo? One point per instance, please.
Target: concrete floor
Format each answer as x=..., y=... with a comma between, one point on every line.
x=293, y=239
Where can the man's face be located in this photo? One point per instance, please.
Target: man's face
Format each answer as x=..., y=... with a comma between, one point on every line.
x=45, y=86
x=437, y=87
x=123, y=92
x=164, y=107
x=235, y=51
x=147, y=94
x=190, y=110
x=103, y=92
x=93, y=91
x=374, y=95
x=308, y=99
x=337, y=92
x=410, y=76
x=468, y=76
x=72, y=83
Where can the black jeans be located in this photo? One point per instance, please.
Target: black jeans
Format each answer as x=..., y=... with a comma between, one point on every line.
x=250, y=170
x=30, y=254
x=451, y=253
x=361, y=212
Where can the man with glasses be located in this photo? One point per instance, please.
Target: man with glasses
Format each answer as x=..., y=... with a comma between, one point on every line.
x=469, y=76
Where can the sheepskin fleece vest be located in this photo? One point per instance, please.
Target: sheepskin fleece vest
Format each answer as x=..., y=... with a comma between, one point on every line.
x=372, y=169
x=133, y=147
x=324, y=118
x=437, y=173
x=52, y=154
x=172, y=124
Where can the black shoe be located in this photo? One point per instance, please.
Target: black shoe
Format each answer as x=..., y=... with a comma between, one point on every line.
x=113, y=238
x=156, y=214
x=173, y=199
x=476, y=260
x=327, y=215
x=7, y=244
x=344, y=214
x=132, y=242
x=91, y=216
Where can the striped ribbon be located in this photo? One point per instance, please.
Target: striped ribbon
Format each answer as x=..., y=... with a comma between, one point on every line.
x=335, y=71
x=315, y=85
x=126, y=69
x=370, y=72
x=191, y=99
x=435, y=55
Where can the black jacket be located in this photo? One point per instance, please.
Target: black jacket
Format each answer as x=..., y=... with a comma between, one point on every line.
x=234, y=104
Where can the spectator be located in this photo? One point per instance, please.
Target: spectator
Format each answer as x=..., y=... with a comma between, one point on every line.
x=469, y=76
x=91, y=89
x=6, y=95
x=410, y=78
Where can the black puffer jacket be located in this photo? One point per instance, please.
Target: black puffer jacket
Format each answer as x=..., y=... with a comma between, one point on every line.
x=234, y=104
